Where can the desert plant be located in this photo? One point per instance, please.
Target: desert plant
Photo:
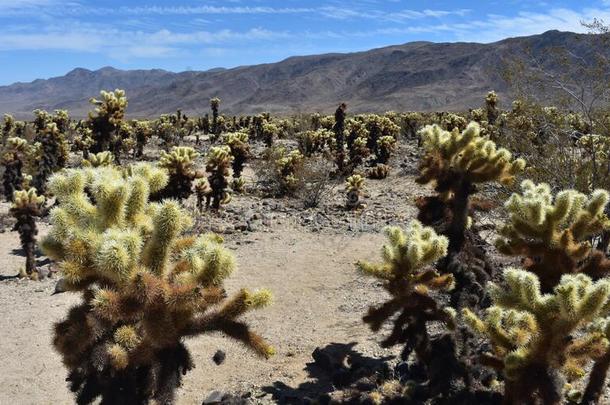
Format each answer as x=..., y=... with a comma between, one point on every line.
x=455, y=162
x=410, y=281
x=378, y=172
x=215, y=127
x=339, y=130
x=491, y=107
x=52, y=151
x=385, y=147
x=27, y=206
x=287, y=166
x=354, y=188
x=219, y=160
x=240, y=150
x=552, y=233
x=203, y=192
x=105, y=122
x=99, y=160
x=145, y=287
x=14, y=159
x=269, y=132
x=8, y=126
x=312, y=142
x=143, y=132
x=540, y=338
x=180, y=165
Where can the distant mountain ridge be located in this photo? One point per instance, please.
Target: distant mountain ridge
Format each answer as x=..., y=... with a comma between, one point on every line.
x=419, y=76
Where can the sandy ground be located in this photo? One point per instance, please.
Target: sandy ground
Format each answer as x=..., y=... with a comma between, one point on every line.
x=319, y=299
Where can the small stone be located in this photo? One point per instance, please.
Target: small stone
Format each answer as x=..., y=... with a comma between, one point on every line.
x=215, y=397
x=219, y=357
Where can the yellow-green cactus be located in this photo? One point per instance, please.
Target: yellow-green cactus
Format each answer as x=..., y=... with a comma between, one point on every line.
x=180, y=165
x=287, y=166
x=541, y=335
x=146, y=286
x=552, y=232
x=408, y=279
x=218, y=163
x=105, y=121
x=354, y=187
x=240, y=150
x=385, y=147
x=14, y=160
x=99, y=159
x=27, y=205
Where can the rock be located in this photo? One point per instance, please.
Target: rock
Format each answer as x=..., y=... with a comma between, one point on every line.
x=219, y=357
x=242, y=227
x=43, y=272
x=215, y=397
x=60, y=286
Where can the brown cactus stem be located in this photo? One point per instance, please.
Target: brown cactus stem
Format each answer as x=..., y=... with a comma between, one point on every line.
x=537, y=379
x=459, y=220
x=597, y=381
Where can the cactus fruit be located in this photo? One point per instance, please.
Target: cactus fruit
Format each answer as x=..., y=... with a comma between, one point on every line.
x=218, y=163
x=354, y=187
x=553, y=232
x=27, y=205
x=145, y=287
x=537, y=337
x=179, y=164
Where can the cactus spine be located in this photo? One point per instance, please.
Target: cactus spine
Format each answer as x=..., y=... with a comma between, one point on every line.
x=27, y=206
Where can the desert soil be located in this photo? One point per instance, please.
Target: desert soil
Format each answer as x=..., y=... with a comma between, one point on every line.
x=306, y=257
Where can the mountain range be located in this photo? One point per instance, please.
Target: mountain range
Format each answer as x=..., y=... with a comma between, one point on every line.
x=417, y=76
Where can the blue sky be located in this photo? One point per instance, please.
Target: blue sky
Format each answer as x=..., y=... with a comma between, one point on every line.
x=45, y=38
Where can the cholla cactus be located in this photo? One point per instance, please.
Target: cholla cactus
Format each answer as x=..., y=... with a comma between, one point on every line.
x=409, y=281
x=61, y=118
x=13, y=159
x=385, y=147
x=215, y=125
x=27, y=205
x=354, y=187
x=83, y=140
x=379, y=127
x=8, y=126
x=553, y=233
x=378, y=172
x=218, y=163
x=339, y=129
x=287, y=166
x=240, y=150
x=491, y=107
x=451, y=122
x=539, y=337
x=99, y=160
x=142, y=132
x=51, y=154
x=454, y=163
x=311, y=142
x=203, y=192
x=145, y=287
x=41, y=119
x=269, y=132
x=180, y=165
x=106, y=120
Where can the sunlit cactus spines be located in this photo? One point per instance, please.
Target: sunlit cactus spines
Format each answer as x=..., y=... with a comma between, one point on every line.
x=240, y=150
x=354, y=189
x=41, y=119
x=451, y=121
x=145, y=285
x=543, y=335
x=14, y=159
x=455, y=162
x=287, y=166
x=105, y=121
x=408, y=278
x=269, y=132
x=99, y=160
x=180, y=164
x=51, y=154
x=553, y=232
x=219, y=161
x=386, y=145
x=491, y=107
x=203, y=193
x=26, y=207
x=8, y=126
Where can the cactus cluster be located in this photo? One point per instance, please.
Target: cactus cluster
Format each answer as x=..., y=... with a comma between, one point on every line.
x=219, y=161
x=180, y=165
x=240, y=150
x=14, y=159
x=105, y=122
x=145, y=285
x=354, y=188
x=51, y=154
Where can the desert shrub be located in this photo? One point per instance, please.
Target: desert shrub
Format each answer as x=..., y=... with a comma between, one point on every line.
x=314, y=142
x=145, y=286
x=142, y=132
x=219, y=161
x=339, y=129
x=99, y=160
x=269, y=132
x=240, y=150
x=313, y=182
x=386, y=145
x=27, y=206
x=278, y=171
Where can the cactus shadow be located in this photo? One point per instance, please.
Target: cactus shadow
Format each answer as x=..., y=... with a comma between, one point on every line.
x=336, y=366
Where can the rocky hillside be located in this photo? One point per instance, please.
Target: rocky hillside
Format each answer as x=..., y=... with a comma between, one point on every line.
x=413, y=76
